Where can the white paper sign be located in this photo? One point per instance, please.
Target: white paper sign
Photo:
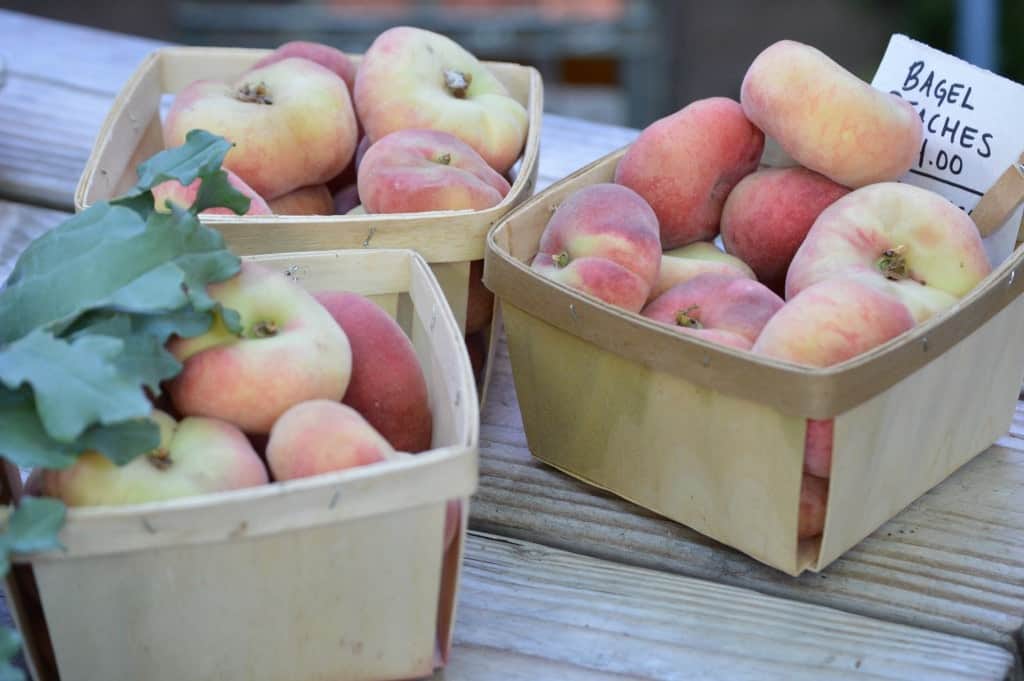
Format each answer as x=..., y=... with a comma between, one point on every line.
x=972, y=126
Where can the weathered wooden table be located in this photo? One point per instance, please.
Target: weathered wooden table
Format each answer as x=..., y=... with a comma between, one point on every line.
x=564, y=582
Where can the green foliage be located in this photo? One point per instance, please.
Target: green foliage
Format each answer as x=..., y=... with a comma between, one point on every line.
x=76, y=382
x=25, y=442
x=109, y=257
x=84, y=318
x=33, y=526
x=89, y=306
x=10, y=642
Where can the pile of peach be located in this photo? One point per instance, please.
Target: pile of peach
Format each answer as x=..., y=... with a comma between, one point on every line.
x=314, y=383
x=418, y=124
x=824, y=260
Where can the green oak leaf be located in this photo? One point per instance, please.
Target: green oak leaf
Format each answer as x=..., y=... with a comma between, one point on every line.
x=155, y=269
x=200, y=156
x=143, y=357
x=23, y=440
x=195, y=261
x=25, y=443
x=186, y=322
x=76, y=383
x=9, y=672
x=122, y=442
x=216, y=191
x=78, y=233
x=34, y=525
x=10, y=644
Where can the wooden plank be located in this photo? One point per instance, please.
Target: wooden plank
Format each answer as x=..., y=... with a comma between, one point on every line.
x=55, y=100
x=83, y=58
x=953, y=561
x=568, y=144
x=46, y=133
x=529, y=612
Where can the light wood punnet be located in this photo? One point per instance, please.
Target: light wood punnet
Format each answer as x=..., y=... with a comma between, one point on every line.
x=448, y=240
x=713, y=437
x=343, y=572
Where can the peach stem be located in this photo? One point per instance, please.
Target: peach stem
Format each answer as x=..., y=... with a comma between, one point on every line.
x=264, y=329
x=893, y=263
x=457, y=82
x=255, y=94
x=160, y=459
x=684, y=318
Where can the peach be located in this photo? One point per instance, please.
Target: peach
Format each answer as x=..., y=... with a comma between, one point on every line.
x=833, y=321
x=818, y=447
x=476, y=346
x=325, y=55
x=33, y=485
x=291, y=124
x=480, y=301
x=412, y=171
x=414, y=78
x=768, y=214
x=686, y=164
x=720, y=308
x=387, y=386
x=345, y=199
x=196, y=456
x=680, y=265
x=827, y=119
x=909, y=242
x=813, y=504
x=349, y=175
x=290, y=350
x=603, y=240
x=321, y=436
x=313, y=200
x=828, y=323
x=452, y=521
x=172, y=191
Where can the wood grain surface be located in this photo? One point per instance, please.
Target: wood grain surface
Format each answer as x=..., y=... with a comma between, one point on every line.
x=953, y=561
x=529, y=612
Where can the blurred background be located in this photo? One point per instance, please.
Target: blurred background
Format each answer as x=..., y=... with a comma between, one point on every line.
x=627, y=62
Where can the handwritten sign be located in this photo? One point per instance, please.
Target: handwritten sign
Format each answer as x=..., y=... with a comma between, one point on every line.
x=972, y=126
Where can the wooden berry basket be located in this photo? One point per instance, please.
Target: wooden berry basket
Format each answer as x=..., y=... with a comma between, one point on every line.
x=448, y=240
x=713, y=437
x=339, y=576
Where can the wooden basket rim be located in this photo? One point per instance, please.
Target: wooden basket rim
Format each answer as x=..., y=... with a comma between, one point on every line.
x=482, y=219
x=809, y=392
x=454, y=465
